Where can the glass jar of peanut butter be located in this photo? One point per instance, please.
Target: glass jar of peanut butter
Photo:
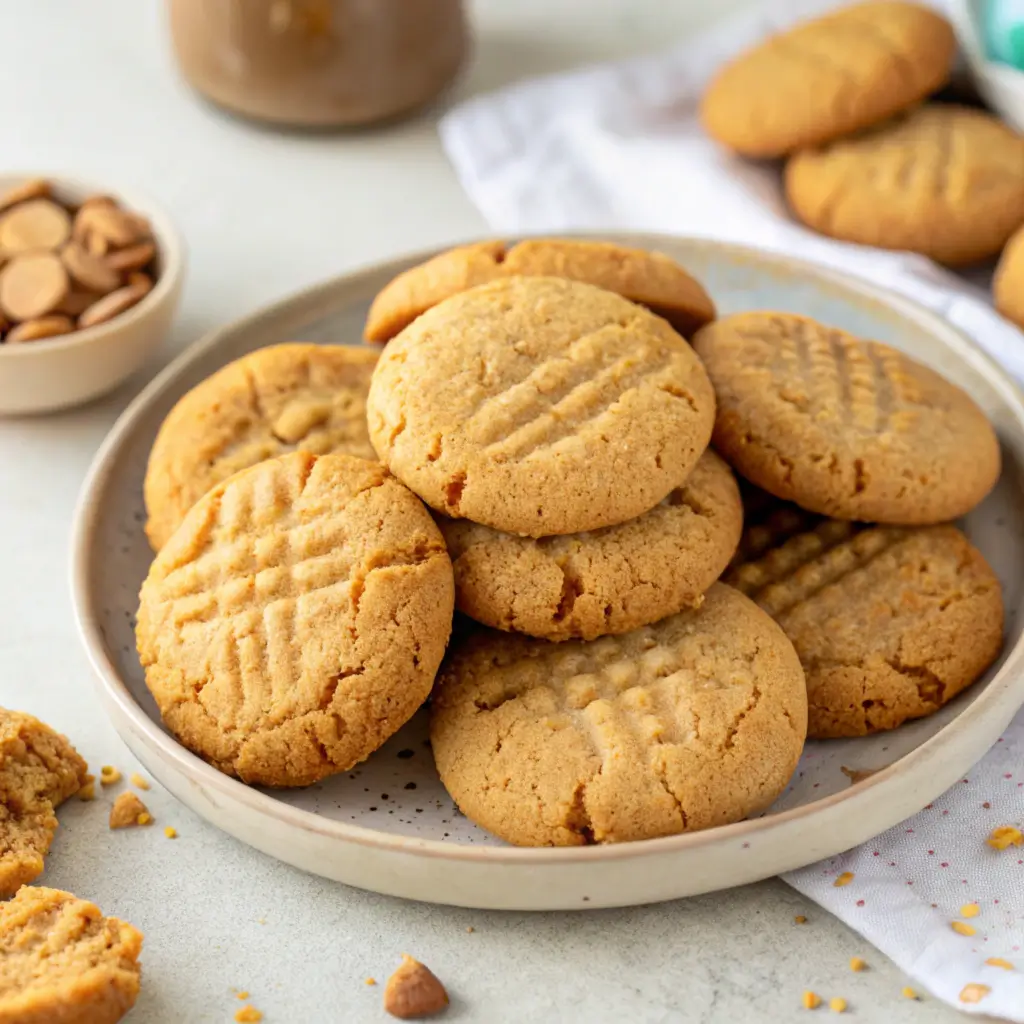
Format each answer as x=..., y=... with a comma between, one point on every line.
x=319, y=63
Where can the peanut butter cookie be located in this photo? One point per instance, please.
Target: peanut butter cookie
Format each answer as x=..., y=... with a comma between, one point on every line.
x=63, y=962
x=39, y=770
x=1008, y=283
x=540, y=406
x=647, y=278
x=844, y=427
x=889, y=623
x=613, y=580
x=943, y=181
x=275, y=400
x=693, y=722
x=296, y=618
x=828, y=77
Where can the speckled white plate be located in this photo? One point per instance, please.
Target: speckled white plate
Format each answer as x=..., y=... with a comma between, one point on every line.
x=389, y=825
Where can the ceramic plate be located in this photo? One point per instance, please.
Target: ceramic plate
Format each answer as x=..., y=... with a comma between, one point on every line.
x=389, y=825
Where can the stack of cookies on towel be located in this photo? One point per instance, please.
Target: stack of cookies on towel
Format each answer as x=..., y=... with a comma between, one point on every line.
x=843, y=99
x=634, y=662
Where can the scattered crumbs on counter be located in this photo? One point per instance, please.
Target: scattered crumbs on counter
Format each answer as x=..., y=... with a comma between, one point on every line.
x=138, y=781
x=1005, y=836
x=170, y=832
x=998, y=961
x=470, y=929
x=88, y=790
x=962, y=929
x=970, y=910
x=242, y=994
x=109, y=775
x=844, y=879
x=909, y=993
x=248, y=1015
x=371, y=981
x=800, y=919
x=811, y=1000
x=837, y=1004
x=145, y=818
x=858, y=963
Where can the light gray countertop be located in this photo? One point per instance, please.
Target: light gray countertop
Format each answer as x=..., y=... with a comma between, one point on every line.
x=90, y=88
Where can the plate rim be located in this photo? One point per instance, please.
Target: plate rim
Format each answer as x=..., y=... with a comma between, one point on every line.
x=1003, y=695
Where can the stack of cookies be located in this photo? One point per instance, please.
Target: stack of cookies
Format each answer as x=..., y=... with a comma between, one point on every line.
x=635, y=663
x=840, y=98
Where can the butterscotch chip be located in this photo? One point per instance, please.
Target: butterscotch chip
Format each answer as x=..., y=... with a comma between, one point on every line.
x=1008, y=282
x=63, y=962
x=36, y=224
x=114, y=304
x=889, y=623
x=540, y=406
x=414, y=991
x=43, y=327
x=648, y=278
x=612, y=580
x=117, y=226
x=693, y=722
x=32, y=285
x=35, y=188
x=844, y=427
x=134, y=257
x=829, y=77
x=944, y=181
x=39, y=769
x=128, y=810
x=87, y=270
x=76, y=302
x=296, y=618
x=276, y=400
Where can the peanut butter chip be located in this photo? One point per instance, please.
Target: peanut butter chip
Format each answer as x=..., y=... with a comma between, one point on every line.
x=43, y=327
x=106, y=308
x=77, y=301
x=134, y=257
x=37, y=224
x=414, y=991
x=32, y=285
x=89, y=271
x=34, y=188
x=116, y=226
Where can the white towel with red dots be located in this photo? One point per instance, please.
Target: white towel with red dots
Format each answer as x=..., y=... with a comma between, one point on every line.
x=619, y=147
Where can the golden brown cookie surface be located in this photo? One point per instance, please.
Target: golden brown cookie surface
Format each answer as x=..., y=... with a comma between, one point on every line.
x=943, y=180
x=693, y=722
x=39, y=770
x=613, y=580
x=296, y=618
x=275, y=400
x=63, y=962
x=889, y=623
x=1008, y=283
x=540, y=406
x=844, y=427
x=648, y=278
x=828, y=77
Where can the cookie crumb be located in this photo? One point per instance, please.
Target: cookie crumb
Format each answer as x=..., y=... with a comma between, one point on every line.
x=371, y=981
x=858, y=963
x=138, y=781
x=998, y=961
x=837, y=1004
x=127, y=810
x=811, y=1000
x=844, y=879
x=800, y=919
x=973, y=992
x=248, y=1015
x=413, y=991
x=109, y=775
x=470, y=929
x=88, y=789
x=1005, y=836
x=962, y=929
x=244, y=994
x=171, y=833
x=970, y=910
x=909, y=993
x=856, y=775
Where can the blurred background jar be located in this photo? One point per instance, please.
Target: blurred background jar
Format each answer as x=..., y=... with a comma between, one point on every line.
x=319, y=63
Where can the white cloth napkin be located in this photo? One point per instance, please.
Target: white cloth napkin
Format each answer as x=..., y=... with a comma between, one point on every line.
x=620, y=146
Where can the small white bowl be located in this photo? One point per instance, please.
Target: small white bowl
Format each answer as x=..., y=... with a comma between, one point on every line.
x=999, y=85
x=55, y=373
